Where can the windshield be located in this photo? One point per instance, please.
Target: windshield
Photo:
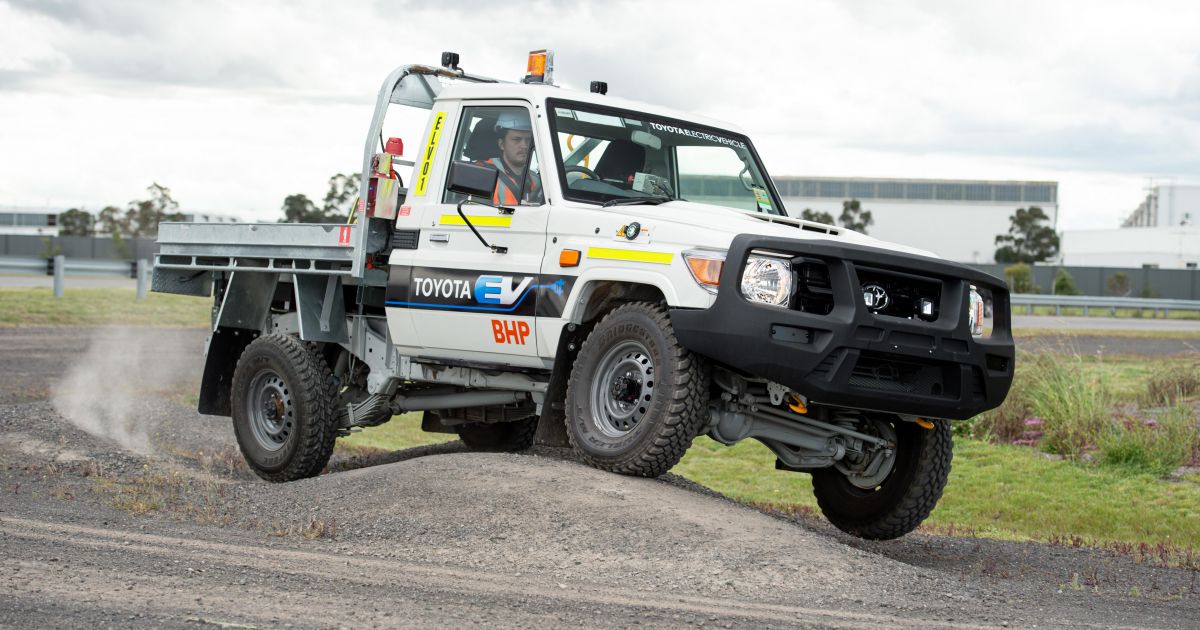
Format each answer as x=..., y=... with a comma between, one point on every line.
x=610, y=156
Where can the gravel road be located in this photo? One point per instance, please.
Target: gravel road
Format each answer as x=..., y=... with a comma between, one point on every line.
x=156, y=523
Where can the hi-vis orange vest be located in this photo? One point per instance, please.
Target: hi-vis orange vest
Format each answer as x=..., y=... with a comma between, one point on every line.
x=507, y=186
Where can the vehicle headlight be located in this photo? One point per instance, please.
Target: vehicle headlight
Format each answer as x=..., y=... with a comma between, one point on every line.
x=768, y=280
x=975, y=313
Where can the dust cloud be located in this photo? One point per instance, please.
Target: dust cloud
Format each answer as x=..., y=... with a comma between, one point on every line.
x=107, y=390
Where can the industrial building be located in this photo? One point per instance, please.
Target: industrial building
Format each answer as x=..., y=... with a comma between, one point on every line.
x=1161, y=232
x=955, y=219
x=27, y=221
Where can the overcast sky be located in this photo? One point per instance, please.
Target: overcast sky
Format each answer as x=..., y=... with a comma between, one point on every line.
x=235, y=105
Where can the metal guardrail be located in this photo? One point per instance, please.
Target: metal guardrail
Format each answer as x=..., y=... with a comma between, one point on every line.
x=1088, y=302
x=60, y=267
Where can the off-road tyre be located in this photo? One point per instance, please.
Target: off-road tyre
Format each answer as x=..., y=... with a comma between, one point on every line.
x=904, y=499
x=304, y=389
x=506, y=437
x=672, y=399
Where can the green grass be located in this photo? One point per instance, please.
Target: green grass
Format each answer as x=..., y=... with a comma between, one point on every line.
x=91, y=307
x=998, y=491
x=400, y=433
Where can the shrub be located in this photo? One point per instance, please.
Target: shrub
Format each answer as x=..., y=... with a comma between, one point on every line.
x=1118, y=284
x=1064, y=284
x=1074, y=410
x=1169, y=385
x=1020, y=278
x=1156, y=446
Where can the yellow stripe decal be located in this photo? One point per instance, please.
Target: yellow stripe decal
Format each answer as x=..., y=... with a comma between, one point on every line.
x=435, y=134
x=478, y=220
x=608, y=253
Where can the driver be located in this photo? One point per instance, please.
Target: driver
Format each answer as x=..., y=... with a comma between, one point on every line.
x=514, y=136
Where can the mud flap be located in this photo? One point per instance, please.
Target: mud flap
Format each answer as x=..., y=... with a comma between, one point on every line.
x=552, y=428
x=225, y=346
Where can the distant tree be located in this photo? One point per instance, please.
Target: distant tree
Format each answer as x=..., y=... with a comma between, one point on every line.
x=854, y=217
x=75, y=222
x=300, y=209
x=343, y=190
x=1064, y=284
x=143, y=216
x=1029, y=238
x=820, y=217
x=1118, y=284
x=335, y=208
x=1020, y=278
x=112, y=221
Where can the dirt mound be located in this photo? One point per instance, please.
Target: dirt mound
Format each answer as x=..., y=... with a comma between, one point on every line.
x=545, y=515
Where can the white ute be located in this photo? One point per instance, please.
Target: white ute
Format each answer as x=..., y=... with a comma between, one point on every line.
x=575, y=269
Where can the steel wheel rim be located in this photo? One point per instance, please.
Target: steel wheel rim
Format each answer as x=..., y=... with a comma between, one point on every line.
x=622, y=389
x=270, y=409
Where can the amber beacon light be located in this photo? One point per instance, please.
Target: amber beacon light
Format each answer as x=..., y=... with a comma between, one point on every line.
x=540, y=68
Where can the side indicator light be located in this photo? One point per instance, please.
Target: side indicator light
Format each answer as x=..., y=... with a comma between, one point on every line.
x=568, y=258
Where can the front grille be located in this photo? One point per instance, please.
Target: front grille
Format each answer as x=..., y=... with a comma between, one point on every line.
x=814, y=294
x=899, y=294
x=885, y=373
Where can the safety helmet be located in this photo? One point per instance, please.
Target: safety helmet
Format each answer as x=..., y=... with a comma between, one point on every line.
x=514, y=121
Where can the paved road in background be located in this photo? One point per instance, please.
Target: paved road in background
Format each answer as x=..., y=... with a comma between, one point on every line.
x=1052, y=322
x=12, y=281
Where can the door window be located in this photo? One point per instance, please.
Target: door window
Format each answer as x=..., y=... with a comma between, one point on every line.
x=501, y=137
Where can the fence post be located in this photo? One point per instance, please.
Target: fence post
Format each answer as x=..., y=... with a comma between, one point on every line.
x=142, y=268
x=1085, y=310
x=60, y=262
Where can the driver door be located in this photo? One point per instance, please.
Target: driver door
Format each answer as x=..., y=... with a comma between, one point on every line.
x=462, y=300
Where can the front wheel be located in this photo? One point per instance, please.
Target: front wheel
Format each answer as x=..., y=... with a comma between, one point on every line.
x=636, y=399
x=902, y=499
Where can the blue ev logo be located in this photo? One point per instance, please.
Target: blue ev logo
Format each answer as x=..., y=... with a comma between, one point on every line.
x=499, y=290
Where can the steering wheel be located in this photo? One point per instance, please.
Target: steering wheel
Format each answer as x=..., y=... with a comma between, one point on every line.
x=581, y=169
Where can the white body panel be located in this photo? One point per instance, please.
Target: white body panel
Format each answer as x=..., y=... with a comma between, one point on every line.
x=537, y=235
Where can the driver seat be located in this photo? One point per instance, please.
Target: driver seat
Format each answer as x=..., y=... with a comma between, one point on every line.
x=621, y=160
x=481, y=145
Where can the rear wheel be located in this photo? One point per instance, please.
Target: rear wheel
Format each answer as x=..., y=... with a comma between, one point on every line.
x=282, y=405
x=901, y=500
x=636, y=398
x=508, y=437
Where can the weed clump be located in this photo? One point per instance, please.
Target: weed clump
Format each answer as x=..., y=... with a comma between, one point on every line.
x=1054, y=405
x=1075, y=410
x=1156, y=446
x=1169, y=385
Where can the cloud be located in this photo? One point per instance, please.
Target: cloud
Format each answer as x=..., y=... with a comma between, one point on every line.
x=235, y=105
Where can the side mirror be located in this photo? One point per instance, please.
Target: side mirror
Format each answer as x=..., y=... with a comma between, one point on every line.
x=473, y=180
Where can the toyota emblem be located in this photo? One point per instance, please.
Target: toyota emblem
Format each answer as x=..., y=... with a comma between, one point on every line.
x=875, y=297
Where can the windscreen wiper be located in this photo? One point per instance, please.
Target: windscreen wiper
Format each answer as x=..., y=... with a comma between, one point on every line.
x=652, y=200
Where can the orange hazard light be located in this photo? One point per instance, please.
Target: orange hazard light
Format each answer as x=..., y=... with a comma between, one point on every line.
x=540, y=66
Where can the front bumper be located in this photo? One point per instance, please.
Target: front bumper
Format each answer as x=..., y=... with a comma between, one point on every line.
x=851, y=357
